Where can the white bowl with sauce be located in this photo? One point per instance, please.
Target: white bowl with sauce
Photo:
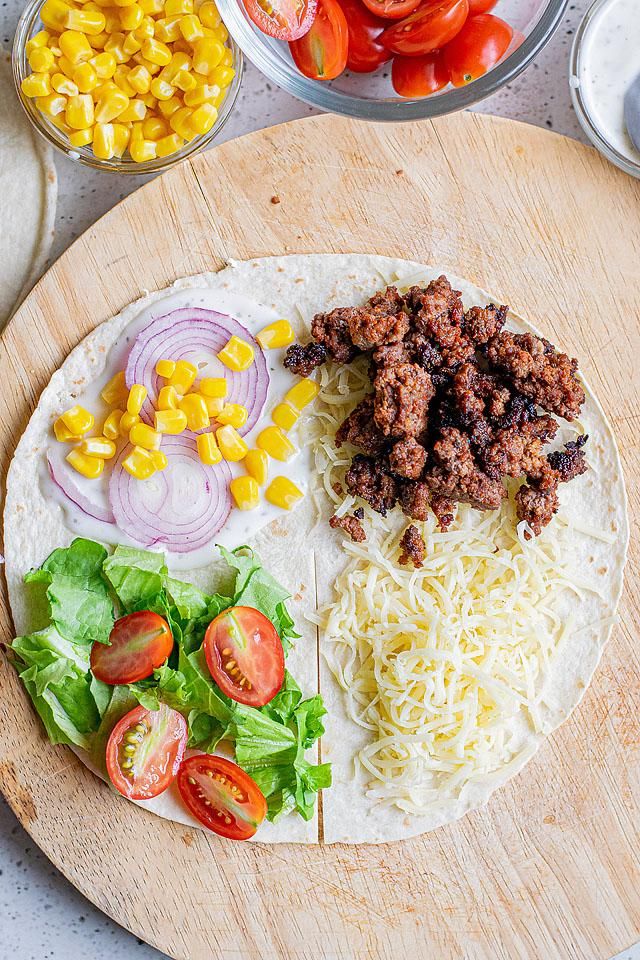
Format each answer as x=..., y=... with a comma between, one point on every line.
x=605, y=60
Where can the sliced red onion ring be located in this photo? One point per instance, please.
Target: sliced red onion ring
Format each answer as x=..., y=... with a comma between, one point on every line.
x=193, y=334
x=62, y=478
x=181, y=508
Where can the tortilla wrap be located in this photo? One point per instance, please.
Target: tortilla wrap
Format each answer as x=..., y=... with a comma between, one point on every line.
x=306, y=555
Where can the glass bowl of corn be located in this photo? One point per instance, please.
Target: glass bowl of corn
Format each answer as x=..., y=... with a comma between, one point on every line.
x=129, y=86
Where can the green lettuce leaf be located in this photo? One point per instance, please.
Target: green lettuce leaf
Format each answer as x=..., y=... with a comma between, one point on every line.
x=137, y=576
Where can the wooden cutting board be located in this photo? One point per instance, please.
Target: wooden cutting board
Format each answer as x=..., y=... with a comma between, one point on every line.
x=550, y=868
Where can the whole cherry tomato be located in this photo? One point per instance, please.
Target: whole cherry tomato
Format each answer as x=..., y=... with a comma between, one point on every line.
x=419, y=76
x=322, y=53
x=434, y=24
x=365, y=54
x=481, y=43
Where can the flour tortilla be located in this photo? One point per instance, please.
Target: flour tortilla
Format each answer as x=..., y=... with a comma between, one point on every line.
x=28, y=188
x=306, y=555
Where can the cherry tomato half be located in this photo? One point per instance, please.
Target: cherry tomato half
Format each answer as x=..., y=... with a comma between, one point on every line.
x=145, y=750
x=244, y=655
x=392, y=9
x=322, y=53
x=282, y=19
x=477, y=48
x=434, y=24
x=365, y=54
x=481, y=6
x=419, y=76
x=222, y=796
x=138, y=643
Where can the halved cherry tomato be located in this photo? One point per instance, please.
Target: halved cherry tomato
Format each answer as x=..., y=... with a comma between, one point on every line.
x=282, y=19
x=145, y=750
x=244, y=655
x=392, y=9
x=434, y=24
x=419, y=76
x=365, y=54
x=322, y=53
x=222, y=796
x=138, y=643
x=480, y=44
x=481, y=6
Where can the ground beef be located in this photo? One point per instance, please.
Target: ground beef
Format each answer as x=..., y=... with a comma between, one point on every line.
x=350, y=525
x=536, y=369
x=370, y=479
x=381, y=321
x=407, y=458
x=303, y=360
x=402, y=395
x=570, y=462
x=516, y=451
x=482, y=323
x=332, y=331
x=443, y=510
x=390, y=353
x=360, y=430
x=414, y=499
x=478, y=395
x=412, y=547
x=536, y=506
x=421, y=350
x=439, y=316
x=457, y=476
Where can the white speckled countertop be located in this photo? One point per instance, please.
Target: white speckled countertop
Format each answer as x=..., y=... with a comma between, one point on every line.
x=43, y=916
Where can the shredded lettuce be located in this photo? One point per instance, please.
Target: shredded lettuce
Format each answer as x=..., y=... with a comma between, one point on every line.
x=83, y=588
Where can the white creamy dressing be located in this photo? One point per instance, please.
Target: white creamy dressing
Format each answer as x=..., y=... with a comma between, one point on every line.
x=240, y=525
x=609, y=62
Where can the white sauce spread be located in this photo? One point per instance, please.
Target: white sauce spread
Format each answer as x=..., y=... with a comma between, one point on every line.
x=609, y=62
x=240, y=525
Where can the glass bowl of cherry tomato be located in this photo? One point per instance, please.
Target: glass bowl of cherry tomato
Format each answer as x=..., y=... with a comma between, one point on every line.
x=391, y=59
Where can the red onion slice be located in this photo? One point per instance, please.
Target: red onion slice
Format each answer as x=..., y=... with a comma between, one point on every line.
x=179, y=509
x=62, y=478
x=191, y=333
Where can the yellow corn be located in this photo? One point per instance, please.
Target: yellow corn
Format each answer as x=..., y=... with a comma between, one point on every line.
x=152, y=7
x=277, y=334
x=142, y=150
x=185, y=81
x=213, y=387
x=283, y=493
x=149, y=100
x=36, y=85
x=256, y=463
x=85, y=77
x=140, y=79
x=53, y=13
x=61, y=124
x=284, y=415
x=159, y=459
x=104, y=141
x=191, y=28
x=179, y=63
x=173, y=8
x=237, y=354
x=110, y=105
x=196, y=410
x=41, y=60
x=201, y=93
x=65, y=66
x=274, y=442
x=115, y=45
x=170, y=421
x=127, y=422
x=75, y=46
x=207, y=54
x=53, y=105
x=100, y=447
x=161, y=89
x=81, y=138
x=121, y=80
x=62, y=433
x=227, y=60
x=221, y=33
x=168, y=29
x=92, y=22
x=208, y=13
x=302, y=393
x=135, y=112
x=62, y=84
x=145, y=436
x=183, y=377
x=111, y=426
x=231, y=444
x=168, y=107
x=222, y=76
x=165, y=368
x=168, y=398
x=99, y=40
x=104, y=65
x=215, y=406
x=131, y=17
x=233, y=413
x=146, y=29
x=182, y=46
x=154, y=128
x=179, y=121
x=130, y=46
x=244, y=491
x=168, y=145
x=116, y=390
x=139, y=463
x=208, y=449
x=90, y=467
x=121, y=135
x=137, y=396
x=38, y=40
x=77, y=420
x=156, y=51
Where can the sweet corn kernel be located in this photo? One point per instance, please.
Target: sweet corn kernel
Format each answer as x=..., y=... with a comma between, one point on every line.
x=168, y=145
x=98, y=42
x=137, y=396
x=170, y=421
x=130, y=46
x=179, y=122
x=185, y=81
x=135, y=112
x=207, y=54
x=152, y=7
x=146, y=29
x=104, y=65
x=208, y=13
x=131, y=17
x=213, y=387
x=36, y=85
x=140, y=79
x=245, y=492
x=90, y=467
x=39, y=39
x=154, y=128
x=183, y=377
x=284, y=415
x=283, y=493
x=215, y=406
x=116, y=390
x=75, y=46
x=92, y=22
x=196, y=410
x=104, y=141
x=302, y=393
x=274, y=442
x=168, y=29
x=110, y=105
x=149, y=101
x=237, y=354
x=41, y=60
x=53, y=13
x=61, y=124
x=106, y=87
x=121, y=135
x=173, y=8
x=201, y=93
x=277, y=334
x=156, y=51
x=62, y=433
x=161, y=89
x=191, y=28
x=77, y=420
x=165, y=368
x=232, y=446
x=115, y=45
x=81, y=138
x=145, y=436
x=111, y=426
x=127, y=421
x=53, y=105
x=100, y=447
x=222, y=76
x=179, y=62
x=256, y=463
x=182, y=46
x=233, y=413
x=121, y=80
x=208, y=449
x=65, y=66
x=85, y=77
x=221, y=33
x=227, y=60
x=139, y=463
x=168, y=107
x=168, y=398
x=159, y=458
x=63, y=85
x=135, y=135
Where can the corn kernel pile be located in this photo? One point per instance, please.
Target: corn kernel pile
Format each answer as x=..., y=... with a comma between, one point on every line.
x=143, y=76
x=181, y=407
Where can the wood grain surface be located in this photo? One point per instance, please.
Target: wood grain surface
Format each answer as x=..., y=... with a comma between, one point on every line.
x=550, y=869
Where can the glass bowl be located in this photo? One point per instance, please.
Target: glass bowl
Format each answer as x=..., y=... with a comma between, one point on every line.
x=371, y=96
x=29, y=24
